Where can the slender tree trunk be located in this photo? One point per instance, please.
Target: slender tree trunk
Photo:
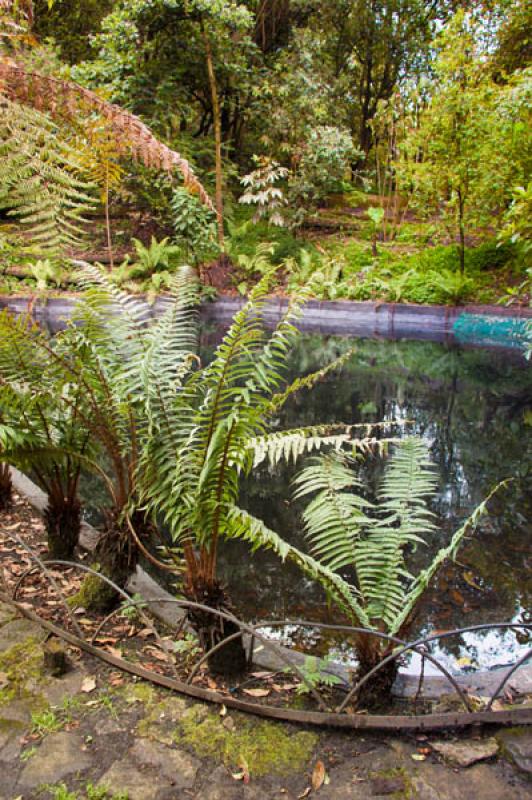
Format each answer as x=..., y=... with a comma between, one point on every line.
x=217, y=124
x=461, y=231
x=108, y=227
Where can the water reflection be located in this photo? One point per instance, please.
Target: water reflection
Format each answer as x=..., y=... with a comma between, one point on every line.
x=474, y=409
x=473, y=406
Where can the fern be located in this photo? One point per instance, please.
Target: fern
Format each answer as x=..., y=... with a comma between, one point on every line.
x=66, y=100
x=346, y=531
x=40, y=180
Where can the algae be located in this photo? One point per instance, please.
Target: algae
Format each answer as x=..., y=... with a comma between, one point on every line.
x=265, y=747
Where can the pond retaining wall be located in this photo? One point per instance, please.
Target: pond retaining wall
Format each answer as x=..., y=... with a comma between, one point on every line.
x=484, y=326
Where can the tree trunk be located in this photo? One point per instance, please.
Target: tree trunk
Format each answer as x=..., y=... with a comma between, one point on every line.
x=229, y=660
x=376, y=693
x=217, y=124
x=116, y=557
x=6, y=487
x=461, y=231
x=62, y=517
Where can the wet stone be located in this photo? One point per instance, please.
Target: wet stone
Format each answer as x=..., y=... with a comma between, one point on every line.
x=7, y=613
x=125, y=776
x=108, y=726
x=436, y=782
x=58, y=689
x=10, y=745
x=518, y=746
x=19, y=711
x=386, y=786
x=467, y=752
x=59, y=755
x=17, y=631
x=177, y=766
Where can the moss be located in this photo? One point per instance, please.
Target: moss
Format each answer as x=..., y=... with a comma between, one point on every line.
x=21, y=665
x=93, y=595
x=407, y=791
x=266, y=747
x=139, y=693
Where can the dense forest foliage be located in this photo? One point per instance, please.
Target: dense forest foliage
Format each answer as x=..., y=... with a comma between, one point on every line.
x=371, y=148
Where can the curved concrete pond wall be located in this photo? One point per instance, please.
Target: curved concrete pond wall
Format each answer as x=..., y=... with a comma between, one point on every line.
x=484, y=326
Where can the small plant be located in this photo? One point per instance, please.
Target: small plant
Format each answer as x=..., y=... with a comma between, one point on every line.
x=376, y=216
x=257, y=265
x=131, y=612
x=452, y=286
x=187, y=647
x=59, y=792
x=27, y=754
x=262, y=192
x=194, y=226
x=315, y=672
x=156, y=257
x=46, y=722
x=45, y=272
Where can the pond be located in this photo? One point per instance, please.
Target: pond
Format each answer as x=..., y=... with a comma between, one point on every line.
x=473, y=407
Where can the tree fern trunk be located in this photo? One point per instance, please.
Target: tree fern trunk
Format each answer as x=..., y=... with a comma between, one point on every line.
x=376, y=693
x=62, y=517
x=117, y=556
x=6, y=487
x=230, y=659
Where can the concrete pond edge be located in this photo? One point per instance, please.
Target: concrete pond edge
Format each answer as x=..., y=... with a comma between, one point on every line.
x=469, y=325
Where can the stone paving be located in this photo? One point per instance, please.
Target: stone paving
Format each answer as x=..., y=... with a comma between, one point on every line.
x=95, y=735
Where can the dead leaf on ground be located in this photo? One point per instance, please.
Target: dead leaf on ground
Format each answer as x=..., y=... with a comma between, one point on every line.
x=257, y=692
x=304, y=794
x=88, y=684
x=318, y=775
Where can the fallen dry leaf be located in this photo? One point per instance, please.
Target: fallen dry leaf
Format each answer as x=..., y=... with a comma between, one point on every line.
x=88, y=684
x=304, y=794
x=257, y=692
x=318, y=775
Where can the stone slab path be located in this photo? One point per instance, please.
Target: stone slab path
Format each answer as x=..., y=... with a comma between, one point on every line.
x=95, y=734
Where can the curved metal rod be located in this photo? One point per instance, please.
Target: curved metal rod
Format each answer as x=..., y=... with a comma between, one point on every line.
x=507, y=677
x=122, y=593
x=429, y=722
x=417, y=643
x=387, y=637
x=244, y=628
x=42, y=565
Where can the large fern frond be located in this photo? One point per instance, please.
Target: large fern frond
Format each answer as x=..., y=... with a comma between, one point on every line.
x=423, y=579
x=246, y=527
x=40, y=180
x=335, y=518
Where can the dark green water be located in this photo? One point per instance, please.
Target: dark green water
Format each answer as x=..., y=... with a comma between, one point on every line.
x=474, y=408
